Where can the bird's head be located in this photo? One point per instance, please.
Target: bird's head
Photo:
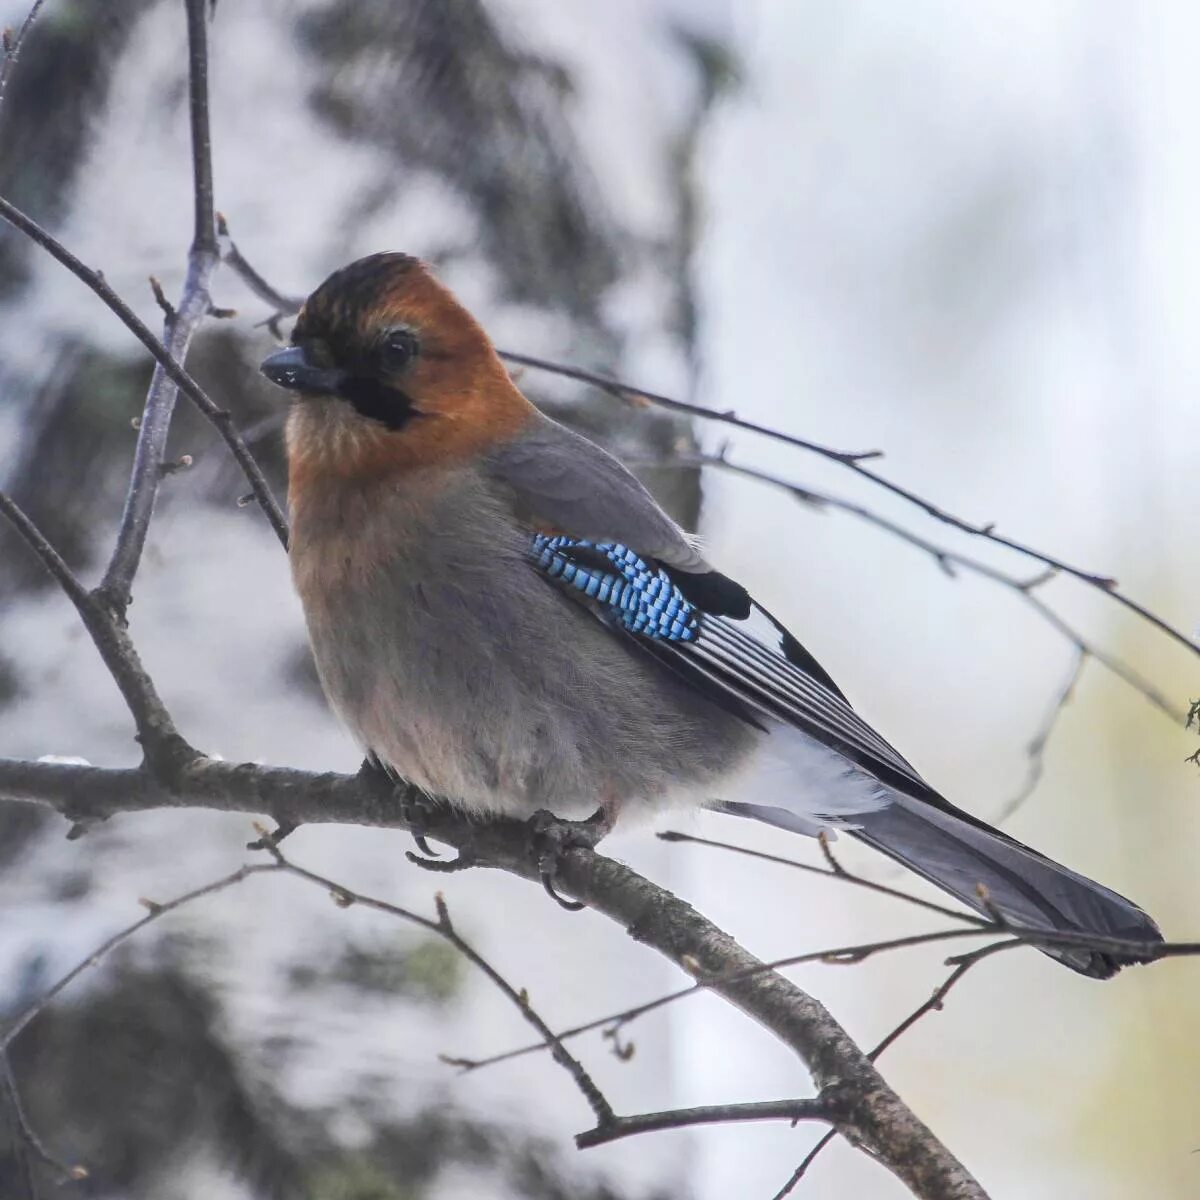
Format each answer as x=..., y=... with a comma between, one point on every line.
x=389, y=372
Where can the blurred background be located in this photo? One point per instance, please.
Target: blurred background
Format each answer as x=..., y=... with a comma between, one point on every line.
x=961, y=233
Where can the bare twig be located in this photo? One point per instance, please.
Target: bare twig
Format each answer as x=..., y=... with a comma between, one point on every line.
x=26, y=1135
x=834, y=870
x=935, y=1001
x=948, y=561
x=809, y=1109
x=284, y=305
x=1036, y=749
x=162, y=743
x=181, y=323
x=613, y=1023
x=444, y=928
x=344, y=896
x=219, y=417
x=854, y=460
x=807, y=1162
x=878, y=1120
x=154, y=911
x=13, y=44
x=934, y=1004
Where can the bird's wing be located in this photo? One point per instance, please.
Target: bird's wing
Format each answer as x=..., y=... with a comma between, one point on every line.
x=753, y=665
x=562, y=482
x=706, y=628
x=596, y=531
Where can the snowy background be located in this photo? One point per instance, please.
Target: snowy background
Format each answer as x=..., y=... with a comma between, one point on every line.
x=961, y=233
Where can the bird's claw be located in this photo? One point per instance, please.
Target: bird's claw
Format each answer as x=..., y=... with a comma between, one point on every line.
x=552, y=837
x=415, y=805
x=415, y=808
x=445, y=866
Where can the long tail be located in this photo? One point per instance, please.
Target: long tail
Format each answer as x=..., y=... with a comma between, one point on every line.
x=958, y=853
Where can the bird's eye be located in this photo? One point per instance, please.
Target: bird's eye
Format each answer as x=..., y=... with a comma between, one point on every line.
x=398, y=349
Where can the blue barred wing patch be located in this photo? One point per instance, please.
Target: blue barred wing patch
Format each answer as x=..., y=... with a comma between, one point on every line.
x=638, y=596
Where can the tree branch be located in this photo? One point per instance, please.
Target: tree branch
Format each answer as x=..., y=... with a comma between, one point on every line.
x=444, y=928
x=607, y=1123
x=711, y=1114
x=1035, y=750
x=180, y=325
x=14, y=43
x=933, y=1004
x=154, y=911
x=283, y=305
x=161, y=742
x=947, y=560
x=806, y=1162
x=876, y=1119
x=217, y=416
x=854, y=461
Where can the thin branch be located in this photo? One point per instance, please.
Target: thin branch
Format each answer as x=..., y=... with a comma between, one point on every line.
x=345, y=897
x=808, y=1109
x=26, y=1135
x=933, y=1004
x=50, y=558
x=834, y=871
x=854, y=460
x=444, y=928
x=284, y=305
x=1036, y=749
x=182, y=320
x=204, y=237
x=807, y=1162
x=877, y=1119
x=948, y=561
x=154, y=911
x=217, y=416
x=160, y=740
x=13, y=45
x=613, y=1023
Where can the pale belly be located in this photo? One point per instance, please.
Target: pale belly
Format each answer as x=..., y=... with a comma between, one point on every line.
x=477, y=680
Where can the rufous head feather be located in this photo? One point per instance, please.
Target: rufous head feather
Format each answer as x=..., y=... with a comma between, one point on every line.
x=390, y=373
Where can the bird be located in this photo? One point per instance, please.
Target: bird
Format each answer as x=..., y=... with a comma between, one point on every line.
x=504, y=617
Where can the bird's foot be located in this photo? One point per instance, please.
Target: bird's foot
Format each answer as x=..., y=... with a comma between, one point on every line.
x=551, y=838
x=464, y=859
x=415, y=808
x=415, y=805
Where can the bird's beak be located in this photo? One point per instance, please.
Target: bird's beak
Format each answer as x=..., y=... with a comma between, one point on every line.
x=293, y=369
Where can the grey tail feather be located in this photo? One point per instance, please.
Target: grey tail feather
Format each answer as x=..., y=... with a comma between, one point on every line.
x=959, y=854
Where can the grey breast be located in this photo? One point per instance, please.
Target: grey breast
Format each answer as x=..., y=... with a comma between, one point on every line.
x=472, y=676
